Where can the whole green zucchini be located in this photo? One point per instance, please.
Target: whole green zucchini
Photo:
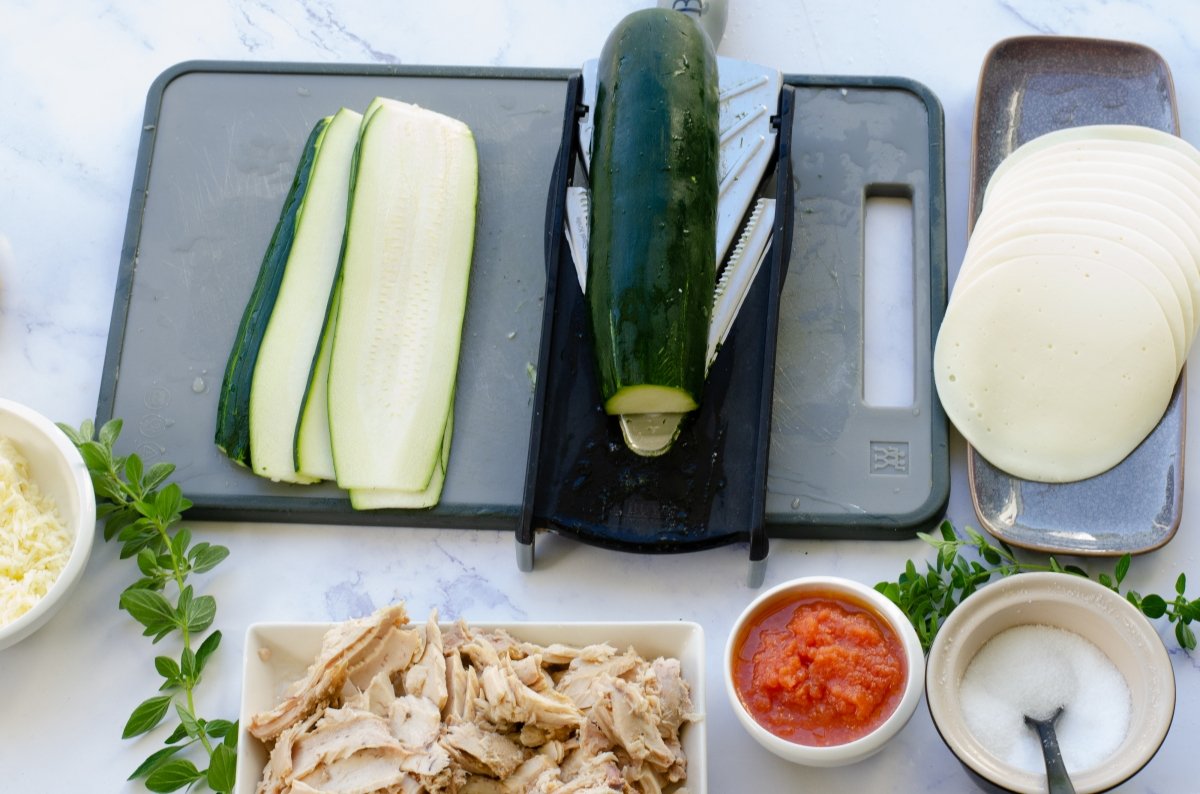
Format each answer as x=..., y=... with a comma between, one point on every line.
x=653, y=218
x=233, y=408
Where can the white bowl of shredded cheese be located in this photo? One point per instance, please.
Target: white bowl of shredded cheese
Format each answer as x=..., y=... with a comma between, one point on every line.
x=47, y=520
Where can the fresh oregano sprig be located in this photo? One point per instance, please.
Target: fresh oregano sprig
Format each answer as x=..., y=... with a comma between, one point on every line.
x=143, y=513
x=928, y=597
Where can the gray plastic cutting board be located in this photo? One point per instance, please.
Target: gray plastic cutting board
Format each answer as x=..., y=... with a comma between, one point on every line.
x=220, y=149
x=218, y=152
x=838, y=465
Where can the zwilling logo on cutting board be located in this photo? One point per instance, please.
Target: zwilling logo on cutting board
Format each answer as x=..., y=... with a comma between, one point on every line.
x=889, y=457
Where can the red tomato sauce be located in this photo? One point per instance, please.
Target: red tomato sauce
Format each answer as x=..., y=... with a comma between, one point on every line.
x=819, y=670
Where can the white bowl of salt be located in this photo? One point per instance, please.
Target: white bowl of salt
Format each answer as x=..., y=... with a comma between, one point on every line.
x=1031, y=643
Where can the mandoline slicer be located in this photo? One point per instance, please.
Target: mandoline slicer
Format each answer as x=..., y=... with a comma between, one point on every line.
x=665, y=483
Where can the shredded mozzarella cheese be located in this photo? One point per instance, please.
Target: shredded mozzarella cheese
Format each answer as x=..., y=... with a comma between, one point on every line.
x=34, y=544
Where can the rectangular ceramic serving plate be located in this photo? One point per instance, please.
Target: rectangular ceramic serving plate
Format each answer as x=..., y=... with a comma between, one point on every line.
x=1029, y=86
x=276, y=654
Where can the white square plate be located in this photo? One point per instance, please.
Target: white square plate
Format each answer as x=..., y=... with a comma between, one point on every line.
x=291, y=647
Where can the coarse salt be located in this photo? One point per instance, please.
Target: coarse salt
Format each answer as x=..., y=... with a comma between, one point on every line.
x=34, y=544
x=1032, y=670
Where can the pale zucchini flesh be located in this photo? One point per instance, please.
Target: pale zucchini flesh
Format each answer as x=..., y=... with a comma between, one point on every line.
x=313, y=451
x=650, y=399
x=383, y=499
x=281, y=372
x=405, y=271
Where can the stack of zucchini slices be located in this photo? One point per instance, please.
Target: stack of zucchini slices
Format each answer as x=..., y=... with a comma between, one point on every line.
x=344, y=365
x=1077, y=301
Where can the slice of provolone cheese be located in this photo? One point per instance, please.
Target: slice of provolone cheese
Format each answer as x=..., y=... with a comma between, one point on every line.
x=1096, y=136
x=1153, y=215
x=1154, y=243
x=1111, y=187
x=1141, y=223
x=1181, y=193
x=1091, y=154
x=1054, y=371
x=1052, y=248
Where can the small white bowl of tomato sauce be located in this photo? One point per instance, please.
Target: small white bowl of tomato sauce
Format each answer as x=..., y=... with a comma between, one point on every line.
x=823, y=670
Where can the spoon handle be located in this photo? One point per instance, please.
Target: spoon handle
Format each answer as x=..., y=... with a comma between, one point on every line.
x=1056, y=772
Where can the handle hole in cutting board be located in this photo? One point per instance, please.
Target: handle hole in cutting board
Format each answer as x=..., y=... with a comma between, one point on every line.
x=888, y=332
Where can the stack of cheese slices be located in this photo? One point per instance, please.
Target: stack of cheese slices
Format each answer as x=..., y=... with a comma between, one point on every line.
x=1076, y=303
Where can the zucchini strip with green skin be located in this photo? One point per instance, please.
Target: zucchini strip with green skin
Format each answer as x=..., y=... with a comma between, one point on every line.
x=232, y=434
x=405, y=270
x=280, y=383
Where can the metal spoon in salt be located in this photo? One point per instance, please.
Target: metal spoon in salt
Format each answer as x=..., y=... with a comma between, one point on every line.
x=1056, y=772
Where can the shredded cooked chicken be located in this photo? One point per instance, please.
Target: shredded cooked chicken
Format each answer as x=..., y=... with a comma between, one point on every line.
x=393, y=707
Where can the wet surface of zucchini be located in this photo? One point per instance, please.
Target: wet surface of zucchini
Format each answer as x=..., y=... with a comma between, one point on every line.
x=651, y=268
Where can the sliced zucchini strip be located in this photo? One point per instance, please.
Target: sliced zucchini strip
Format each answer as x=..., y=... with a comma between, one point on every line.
x=281, y=374
x=232, y=434
x=405, y=270
x=380, y=499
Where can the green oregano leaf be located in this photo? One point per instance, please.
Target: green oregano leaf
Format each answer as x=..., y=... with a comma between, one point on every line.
x=108, y=432
x=142, y=511
x=158, y=474
x=173, y=775
x=148, y=608
x=133, y=470
x=206, y=650
x=146, y=716
x=147, y=563
x=168, y=502
x=187, y=664
x=951, y=577
x=180, y=543
x=201, y=614
x=177, y=735
x=187, y=720
x=208, y=558
x=218, y=728
x=1122, y=567
x=93, y=455
x=1185, y=636
x=154, y=761
x=222, y=768
x=1154, y=606
x=167, y=667
x=184, y=606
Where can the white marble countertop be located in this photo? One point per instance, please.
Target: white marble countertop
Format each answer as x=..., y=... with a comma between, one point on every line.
x=73, y=82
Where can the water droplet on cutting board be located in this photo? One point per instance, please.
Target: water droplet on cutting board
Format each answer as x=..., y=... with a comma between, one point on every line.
x=198, y=385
